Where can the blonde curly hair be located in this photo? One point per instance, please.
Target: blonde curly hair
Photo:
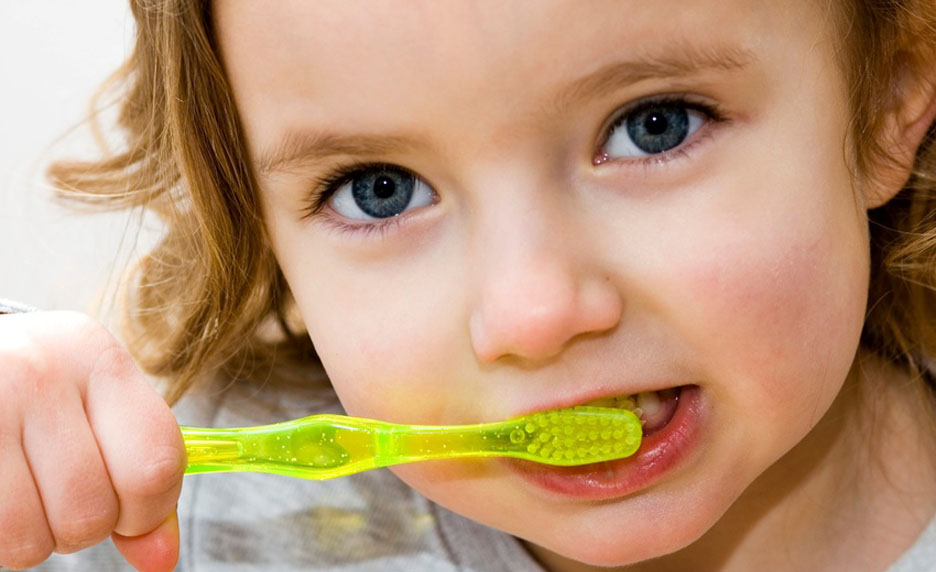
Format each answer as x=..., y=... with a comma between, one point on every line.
x=210, y=298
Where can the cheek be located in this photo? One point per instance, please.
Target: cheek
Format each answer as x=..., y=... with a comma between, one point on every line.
x=387, y=355
x=777, y=308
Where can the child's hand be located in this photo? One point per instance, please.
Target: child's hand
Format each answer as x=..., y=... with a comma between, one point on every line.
x=88, y=449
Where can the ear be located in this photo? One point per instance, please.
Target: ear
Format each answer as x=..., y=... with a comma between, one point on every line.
x=907, y=121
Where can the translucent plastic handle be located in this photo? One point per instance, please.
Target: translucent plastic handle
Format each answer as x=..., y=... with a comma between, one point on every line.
x=329, y=446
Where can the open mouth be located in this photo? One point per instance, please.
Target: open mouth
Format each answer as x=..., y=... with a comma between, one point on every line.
x=654, y=408
x=673, y=424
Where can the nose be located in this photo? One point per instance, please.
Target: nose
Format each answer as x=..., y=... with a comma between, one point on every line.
x=538, y=285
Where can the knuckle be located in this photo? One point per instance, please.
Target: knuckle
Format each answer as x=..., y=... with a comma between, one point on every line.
x=79, y=325
x=26, y=370
x=156, y=486
x=162, y=473
x=82, y=331
x=113, y=362
x=31, y=350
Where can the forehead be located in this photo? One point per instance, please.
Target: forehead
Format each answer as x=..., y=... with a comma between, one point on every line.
x=358, y=63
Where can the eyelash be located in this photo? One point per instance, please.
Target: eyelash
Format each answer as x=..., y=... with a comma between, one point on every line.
x=712, y=112
x=325, y=186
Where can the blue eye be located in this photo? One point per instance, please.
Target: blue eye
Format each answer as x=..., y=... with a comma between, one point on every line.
x=379, y=192
x=653, y=128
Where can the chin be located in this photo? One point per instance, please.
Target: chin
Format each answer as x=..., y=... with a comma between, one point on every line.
x=617, y=547
x=607, y=536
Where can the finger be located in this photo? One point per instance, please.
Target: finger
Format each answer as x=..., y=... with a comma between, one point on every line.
x=25, y=538
x=156, y=551
x=139, y=440
x=80, y=504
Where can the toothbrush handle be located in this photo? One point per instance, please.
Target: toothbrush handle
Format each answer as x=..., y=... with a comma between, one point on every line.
x=318, y=447
x=328, y=446
x=210, y=450
x=408, y=443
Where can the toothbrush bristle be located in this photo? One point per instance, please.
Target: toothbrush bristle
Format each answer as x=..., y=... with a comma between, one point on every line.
x=579, y=435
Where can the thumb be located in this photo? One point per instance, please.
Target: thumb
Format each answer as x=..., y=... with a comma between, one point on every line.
x=155, y=551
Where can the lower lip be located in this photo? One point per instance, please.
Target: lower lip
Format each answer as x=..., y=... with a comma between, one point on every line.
x=658, y=454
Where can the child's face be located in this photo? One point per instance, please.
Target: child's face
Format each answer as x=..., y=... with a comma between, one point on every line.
x=539, y=259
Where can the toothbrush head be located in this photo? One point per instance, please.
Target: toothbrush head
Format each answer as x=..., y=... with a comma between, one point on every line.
x=577, y=435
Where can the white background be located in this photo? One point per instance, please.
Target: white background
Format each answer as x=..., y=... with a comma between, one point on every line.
x=53, y=55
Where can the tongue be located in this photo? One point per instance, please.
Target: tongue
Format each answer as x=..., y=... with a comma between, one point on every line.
x=657, y=408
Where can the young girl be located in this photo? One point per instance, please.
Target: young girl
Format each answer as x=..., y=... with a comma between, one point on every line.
x=474, y=211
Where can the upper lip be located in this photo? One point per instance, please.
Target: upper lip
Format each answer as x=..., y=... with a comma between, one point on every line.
x=600, y=392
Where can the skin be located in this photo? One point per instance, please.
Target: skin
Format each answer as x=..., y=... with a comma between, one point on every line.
x=538, y=276
x=90, y=450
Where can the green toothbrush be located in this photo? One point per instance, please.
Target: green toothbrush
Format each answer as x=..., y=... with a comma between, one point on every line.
x=328, y=446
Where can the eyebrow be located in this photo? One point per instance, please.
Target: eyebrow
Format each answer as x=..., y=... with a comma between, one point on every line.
x=681, y=60
x=303, y=147
x=298, y=148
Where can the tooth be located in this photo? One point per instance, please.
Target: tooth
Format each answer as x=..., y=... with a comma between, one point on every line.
x=649, y=403
x=640, y=415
